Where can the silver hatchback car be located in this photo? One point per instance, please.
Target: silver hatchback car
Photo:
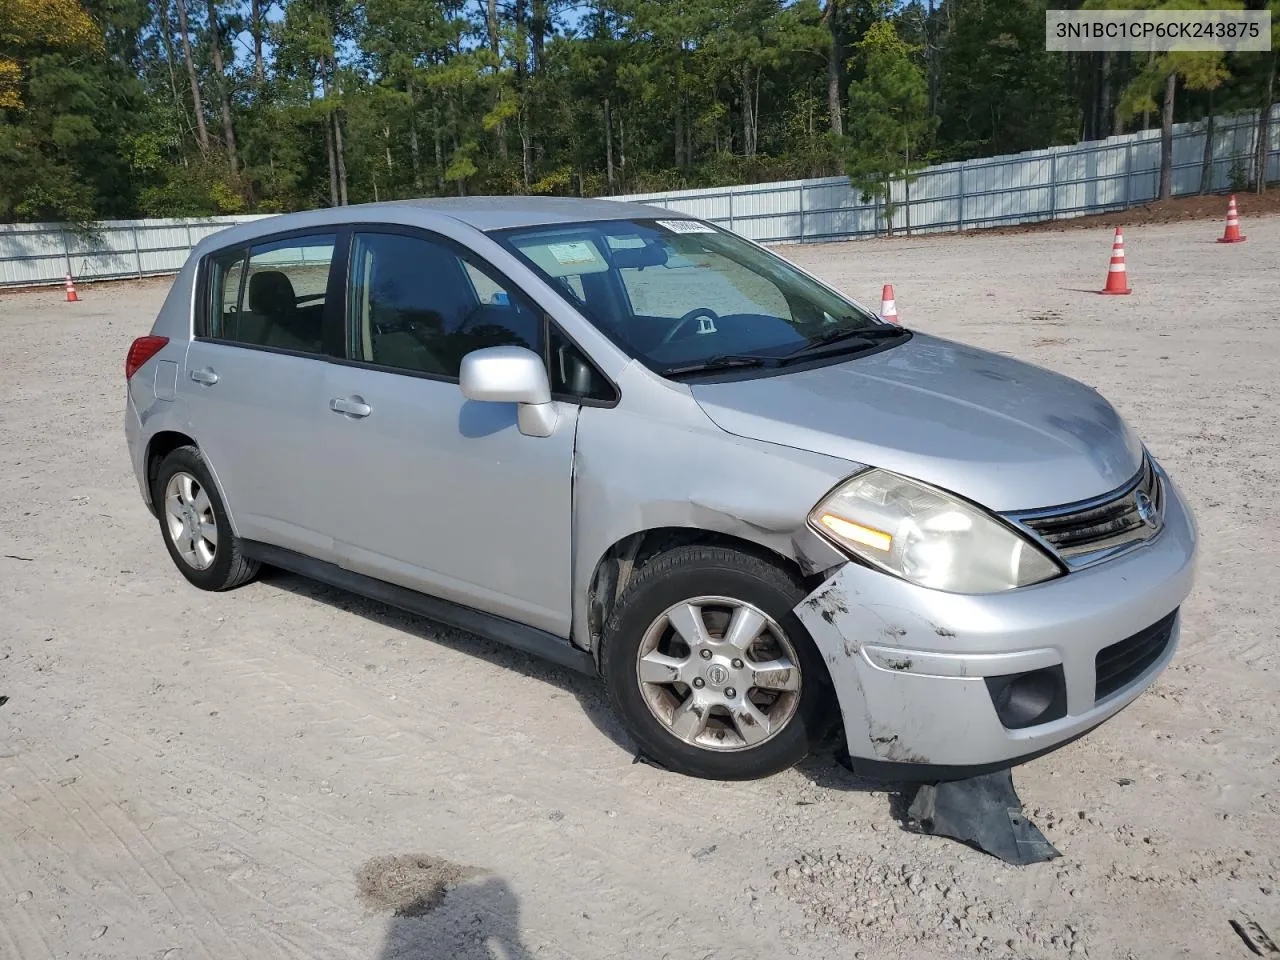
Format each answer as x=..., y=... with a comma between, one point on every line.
x=641, y=446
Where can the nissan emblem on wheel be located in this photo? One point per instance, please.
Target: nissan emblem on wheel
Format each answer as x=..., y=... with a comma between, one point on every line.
x=643, y=447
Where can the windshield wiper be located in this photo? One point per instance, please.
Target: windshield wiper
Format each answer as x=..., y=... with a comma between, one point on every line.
x=723, y=361
x=867, y=334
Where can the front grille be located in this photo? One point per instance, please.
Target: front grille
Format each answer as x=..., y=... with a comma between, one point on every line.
x=1083, y=532
x=1121, y=663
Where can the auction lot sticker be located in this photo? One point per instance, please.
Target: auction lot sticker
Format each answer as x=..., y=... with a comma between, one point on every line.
x=685, y=226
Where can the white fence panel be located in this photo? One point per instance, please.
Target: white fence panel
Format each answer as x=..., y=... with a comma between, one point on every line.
x=1060, y=182
x=36, y=253
x=30, y=251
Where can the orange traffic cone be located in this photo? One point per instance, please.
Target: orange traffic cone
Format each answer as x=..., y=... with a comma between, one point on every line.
x=1232, y=233
x=1117, y=276
x=71, y=291
x=888, y=308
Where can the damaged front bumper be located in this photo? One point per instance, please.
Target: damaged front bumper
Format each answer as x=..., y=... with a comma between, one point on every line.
x=910, y=665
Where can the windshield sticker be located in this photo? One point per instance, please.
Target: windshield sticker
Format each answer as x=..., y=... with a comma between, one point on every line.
x=685, y=226
x=574, y=253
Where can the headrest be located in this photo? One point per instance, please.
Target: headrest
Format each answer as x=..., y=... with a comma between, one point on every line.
x=270, y=292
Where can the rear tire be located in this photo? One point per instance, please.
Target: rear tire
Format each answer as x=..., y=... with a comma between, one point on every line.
x=194, y=525
x=709, y=668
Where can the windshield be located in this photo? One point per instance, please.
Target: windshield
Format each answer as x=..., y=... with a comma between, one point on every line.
x=682, y=296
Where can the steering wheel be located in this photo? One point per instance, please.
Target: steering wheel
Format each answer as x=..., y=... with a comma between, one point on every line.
x=684, y=321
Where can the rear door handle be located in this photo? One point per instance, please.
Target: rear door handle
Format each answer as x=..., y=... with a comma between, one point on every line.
x=205, y=376
x=352, y=407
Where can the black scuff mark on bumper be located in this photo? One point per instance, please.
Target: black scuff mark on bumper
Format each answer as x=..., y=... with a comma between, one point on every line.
x=892, y=633
x=829, y=603
x=889, y=746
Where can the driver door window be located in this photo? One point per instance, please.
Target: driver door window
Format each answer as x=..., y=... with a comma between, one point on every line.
x=419, y=305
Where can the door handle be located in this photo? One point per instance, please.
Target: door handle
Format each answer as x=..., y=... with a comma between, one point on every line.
x=205, y=376
x=354, y=407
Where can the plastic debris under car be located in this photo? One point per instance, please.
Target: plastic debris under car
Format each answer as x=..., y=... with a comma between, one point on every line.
x=983, y=811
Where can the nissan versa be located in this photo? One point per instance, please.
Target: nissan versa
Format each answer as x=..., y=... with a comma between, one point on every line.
x=642, y=446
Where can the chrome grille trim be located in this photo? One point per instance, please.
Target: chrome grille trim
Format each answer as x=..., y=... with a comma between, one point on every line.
x=1094, y=530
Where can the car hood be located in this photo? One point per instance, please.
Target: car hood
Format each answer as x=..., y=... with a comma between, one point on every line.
x=1006, y=434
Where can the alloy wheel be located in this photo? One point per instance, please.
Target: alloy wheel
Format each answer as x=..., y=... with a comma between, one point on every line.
x=719, y=673
x=189, y=518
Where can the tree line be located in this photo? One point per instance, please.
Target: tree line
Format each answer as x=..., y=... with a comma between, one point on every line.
x=119, y=108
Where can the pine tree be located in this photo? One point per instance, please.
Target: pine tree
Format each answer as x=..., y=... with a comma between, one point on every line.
x=889, y=122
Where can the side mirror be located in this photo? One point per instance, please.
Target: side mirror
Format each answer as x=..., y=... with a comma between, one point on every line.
x=511, y=375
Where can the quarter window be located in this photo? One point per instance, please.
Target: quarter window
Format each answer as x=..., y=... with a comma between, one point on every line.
x=417, y=305
x=573, y=375
x=226, y=272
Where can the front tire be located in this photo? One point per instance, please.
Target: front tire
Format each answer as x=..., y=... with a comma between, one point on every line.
x=709, y=667
x=193, y=522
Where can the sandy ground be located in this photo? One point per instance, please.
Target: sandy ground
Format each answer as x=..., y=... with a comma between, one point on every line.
x=289, y=771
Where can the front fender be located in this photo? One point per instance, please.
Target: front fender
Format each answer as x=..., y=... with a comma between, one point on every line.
x=634, y=473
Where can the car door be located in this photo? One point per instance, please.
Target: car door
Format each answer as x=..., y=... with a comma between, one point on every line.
x=439, y=493
x=254, y=382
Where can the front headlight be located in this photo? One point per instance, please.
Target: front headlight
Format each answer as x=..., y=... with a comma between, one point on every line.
x=928, y=537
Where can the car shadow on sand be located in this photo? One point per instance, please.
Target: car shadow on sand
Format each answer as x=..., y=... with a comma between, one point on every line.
x=589, y=691
x=827, y=767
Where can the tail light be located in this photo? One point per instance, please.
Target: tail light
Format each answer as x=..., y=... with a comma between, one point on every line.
x=140, y=351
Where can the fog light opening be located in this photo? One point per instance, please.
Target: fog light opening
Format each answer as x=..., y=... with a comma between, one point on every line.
x=1026, y=699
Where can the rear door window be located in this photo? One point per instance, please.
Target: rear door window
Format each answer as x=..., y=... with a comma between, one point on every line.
x=275, y=295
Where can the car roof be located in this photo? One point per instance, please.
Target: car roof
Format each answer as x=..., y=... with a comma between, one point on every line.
x=497, y=213
x=481, y=213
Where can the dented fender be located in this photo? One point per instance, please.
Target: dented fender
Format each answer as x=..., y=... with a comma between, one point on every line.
x=656, y=461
